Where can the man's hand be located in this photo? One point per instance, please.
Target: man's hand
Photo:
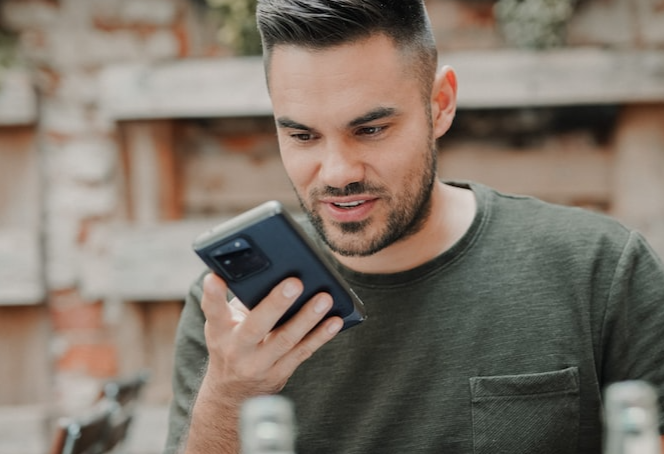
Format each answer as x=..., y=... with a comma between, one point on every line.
x=247, y=358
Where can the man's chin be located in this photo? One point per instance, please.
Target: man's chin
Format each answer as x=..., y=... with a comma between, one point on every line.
x=348, y=252
x=349, y=244
x=347, y=239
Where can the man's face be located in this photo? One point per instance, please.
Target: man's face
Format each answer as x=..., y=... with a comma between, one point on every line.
x=356, y=141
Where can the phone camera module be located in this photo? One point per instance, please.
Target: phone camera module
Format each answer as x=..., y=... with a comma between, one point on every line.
x=240, y=259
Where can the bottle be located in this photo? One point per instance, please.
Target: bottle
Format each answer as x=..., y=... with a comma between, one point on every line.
x=267, y=426
x=631, y=418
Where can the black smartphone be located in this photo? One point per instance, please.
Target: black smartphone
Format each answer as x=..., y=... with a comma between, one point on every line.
x=256, y=250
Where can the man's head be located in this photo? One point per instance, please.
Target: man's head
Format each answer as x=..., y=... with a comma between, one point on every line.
x=321, y=24
x=358, y=104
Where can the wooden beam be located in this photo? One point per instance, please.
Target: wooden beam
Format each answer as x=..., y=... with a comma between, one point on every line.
x=572, y=174
x=145, y=262
x=146, y=338
x=229, y=87
x=19, y=178
x=581, y=76
x=152, y=182
x=21, y=267
x=18, y=98
x=21, y=262
x=155, y=262
x=638, y=189
x=24, y=346
x=235, y=87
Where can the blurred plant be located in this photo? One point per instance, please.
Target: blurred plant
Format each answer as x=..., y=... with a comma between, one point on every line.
x=8, y=54
x=537, y=24
x=238, y=25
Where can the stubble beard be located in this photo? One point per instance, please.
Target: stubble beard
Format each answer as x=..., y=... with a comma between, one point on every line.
x=409, y=212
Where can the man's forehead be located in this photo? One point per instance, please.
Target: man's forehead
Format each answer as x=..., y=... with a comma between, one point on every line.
x=340, y=85
x=377, y=43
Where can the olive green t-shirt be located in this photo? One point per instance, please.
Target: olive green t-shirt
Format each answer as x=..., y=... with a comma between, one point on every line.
x=502, y=344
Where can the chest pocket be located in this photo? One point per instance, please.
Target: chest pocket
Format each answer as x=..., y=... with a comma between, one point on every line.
x=526, y=413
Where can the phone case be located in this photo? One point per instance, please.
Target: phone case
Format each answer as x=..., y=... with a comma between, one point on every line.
x=256, y=250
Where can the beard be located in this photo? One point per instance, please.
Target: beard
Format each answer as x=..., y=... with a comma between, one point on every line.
x=408, y=211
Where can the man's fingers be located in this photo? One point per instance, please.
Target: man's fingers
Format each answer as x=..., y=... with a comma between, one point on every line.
x=287, y=336
x=214, y=300
x=242, y=343
x=293, y=341
x=318, y=337
x=268, y=312
x=239, y=311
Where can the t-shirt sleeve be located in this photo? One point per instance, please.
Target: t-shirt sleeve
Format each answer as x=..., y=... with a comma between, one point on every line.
x=189, y=365
x=633, y=329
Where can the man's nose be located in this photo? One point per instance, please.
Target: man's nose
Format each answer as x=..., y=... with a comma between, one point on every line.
x=341, y=166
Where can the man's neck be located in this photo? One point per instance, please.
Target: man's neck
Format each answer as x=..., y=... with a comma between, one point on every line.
x=452, y=212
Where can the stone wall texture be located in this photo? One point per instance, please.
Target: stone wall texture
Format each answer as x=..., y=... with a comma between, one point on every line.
x=65, y=44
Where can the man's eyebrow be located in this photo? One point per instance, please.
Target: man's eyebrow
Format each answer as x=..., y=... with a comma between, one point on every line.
x=285, y=122
x=373, y=115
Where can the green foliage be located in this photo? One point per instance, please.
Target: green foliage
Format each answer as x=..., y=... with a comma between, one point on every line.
x=536, y=24
x=8, y=52
x=8, y=43
x=238, y=25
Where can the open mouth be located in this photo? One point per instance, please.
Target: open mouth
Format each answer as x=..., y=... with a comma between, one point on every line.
x=349, y=205
x=356, y=209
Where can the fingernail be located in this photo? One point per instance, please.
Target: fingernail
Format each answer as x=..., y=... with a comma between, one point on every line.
x=290, y=289
x=213, y=286
x=322, y=304
x=335, y=326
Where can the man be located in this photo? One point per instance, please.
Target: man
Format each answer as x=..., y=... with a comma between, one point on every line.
x=495, y=321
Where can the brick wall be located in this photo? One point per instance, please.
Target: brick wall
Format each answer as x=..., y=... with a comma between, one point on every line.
x=69, y=41
x=66, y=43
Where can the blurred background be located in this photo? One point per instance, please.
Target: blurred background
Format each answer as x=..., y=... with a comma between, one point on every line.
x=129, y=126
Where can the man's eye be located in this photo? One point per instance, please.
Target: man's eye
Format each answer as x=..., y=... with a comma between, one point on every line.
x=302, y=137
x=370, y=130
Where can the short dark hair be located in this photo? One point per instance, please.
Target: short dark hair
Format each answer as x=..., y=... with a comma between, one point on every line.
x=320, y=24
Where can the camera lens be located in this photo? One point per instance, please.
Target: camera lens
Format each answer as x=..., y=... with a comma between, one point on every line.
x=239, y=259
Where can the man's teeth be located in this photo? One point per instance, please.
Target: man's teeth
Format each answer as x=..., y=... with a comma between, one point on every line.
x=350, y=204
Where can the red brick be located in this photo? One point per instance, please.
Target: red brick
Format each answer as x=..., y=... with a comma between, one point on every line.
x=240, y=144
x=93, y=359
x=69, y=312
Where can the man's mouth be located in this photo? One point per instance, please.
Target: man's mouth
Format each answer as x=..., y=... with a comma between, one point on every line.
x=348, y=205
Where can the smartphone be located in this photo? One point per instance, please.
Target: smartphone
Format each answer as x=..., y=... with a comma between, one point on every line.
x=256, y=250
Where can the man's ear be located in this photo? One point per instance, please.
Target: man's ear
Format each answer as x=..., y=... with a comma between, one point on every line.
x=443, y=100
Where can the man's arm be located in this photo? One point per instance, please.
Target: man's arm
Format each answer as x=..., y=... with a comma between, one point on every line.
x=635, y=318
x=190, y=361
x=247, y=358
